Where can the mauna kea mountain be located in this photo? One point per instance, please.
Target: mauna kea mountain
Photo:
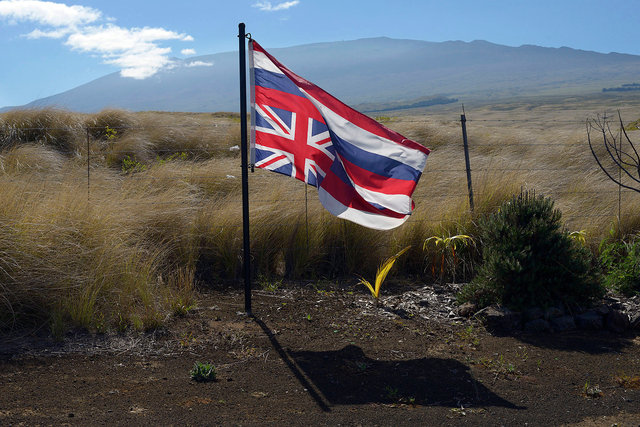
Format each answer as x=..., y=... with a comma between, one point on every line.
x=371, y=73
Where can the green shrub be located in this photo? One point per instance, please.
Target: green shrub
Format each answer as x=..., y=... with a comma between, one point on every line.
x=203, y=372
x=621, y=263
x=528, y=260
x=130, y=165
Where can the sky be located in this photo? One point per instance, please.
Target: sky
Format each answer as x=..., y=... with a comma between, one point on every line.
x=48, y=47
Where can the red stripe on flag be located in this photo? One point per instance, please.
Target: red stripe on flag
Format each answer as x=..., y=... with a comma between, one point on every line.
x=374, y=182
x=270, y=162
x=348, y=196
x=286, y=101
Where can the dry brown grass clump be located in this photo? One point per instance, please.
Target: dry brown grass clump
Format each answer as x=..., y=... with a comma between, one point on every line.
x=59, y=129
x=96, y=263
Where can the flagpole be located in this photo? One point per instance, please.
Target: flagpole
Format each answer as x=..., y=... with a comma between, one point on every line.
x=246, y=264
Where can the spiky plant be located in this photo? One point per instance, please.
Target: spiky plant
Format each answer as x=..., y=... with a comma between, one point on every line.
x=381, y=275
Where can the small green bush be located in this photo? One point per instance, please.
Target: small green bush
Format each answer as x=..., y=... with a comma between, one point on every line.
x=621, y=263
x=203, y=372
x=528, y=260
x=130, y=165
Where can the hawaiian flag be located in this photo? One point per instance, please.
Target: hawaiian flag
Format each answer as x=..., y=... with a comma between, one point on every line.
x=364, y=172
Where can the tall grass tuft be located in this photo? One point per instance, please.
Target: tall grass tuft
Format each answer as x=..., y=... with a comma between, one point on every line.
x=91, y=264
x=131, y=147
x=58, y=129
x=111, y=124
x=31, y=158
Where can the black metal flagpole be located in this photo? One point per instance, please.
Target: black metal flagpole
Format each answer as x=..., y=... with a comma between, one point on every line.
x=246, y=258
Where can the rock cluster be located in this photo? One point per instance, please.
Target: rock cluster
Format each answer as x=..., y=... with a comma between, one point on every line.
x=438, y=302
x=613, y=314
x=431, y=302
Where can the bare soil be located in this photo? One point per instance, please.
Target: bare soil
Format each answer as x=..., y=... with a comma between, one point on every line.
x=322, y=356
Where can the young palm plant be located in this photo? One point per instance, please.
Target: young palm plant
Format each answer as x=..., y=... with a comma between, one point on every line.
x=445, y=246
x=381, y=275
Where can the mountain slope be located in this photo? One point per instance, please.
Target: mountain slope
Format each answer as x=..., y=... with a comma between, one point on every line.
x=377, y=70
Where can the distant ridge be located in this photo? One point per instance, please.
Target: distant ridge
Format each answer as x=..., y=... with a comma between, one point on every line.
x=405, y=105
x=380, y=71
x=624, y=88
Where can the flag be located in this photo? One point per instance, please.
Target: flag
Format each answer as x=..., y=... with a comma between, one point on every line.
x=364, y=172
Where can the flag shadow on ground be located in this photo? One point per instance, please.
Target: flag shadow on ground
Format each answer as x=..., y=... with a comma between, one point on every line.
x=349, y=377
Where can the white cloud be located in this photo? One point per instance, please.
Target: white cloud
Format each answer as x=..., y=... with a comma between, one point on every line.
x=136, y=51
x=112, y=39
x=266, y=6
x=198, y=64
x=48, y=13
x=188, y=51
x=53, y=34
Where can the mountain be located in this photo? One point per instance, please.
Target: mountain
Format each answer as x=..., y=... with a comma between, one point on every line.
x=375, y=71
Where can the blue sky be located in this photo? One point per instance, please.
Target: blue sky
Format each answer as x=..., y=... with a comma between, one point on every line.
x=52, y=46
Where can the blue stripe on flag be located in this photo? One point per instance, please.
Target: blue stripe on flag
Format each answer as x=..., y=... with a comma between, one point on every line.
x=380, y=165
x=338, y=170
x=269, y=80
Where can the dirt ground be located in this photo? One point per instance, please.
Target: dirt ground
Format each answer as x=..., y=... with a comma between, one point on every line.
x=322, y=356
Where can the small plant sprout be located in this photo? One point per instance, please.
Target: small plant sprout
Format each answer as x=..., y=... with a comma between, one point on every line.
x=591, y=391
x=392, y=393
x=203, y=372
x=269, y=285
x=110, y=133
x=629, y=382
x=579, y=236
x=381, y=275
x=445, y=246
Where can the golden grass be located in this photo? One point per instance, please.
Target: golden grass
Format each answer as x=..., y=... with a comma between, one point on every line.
x=56, y=128
x=126, y=250
x=91, y=262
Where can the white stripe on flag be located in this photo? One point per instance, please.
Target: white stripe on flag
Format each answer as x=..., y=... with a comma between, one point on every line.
x=261, y=61
x=367, y=219
x=396, y=202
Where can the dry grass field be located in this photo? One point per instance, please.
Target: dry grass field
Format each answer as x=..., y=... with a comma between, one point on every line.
x=109, y=219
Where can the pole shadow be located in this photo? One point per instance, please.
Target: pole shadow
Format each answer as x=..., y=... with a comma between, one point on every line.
x=304, y=382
